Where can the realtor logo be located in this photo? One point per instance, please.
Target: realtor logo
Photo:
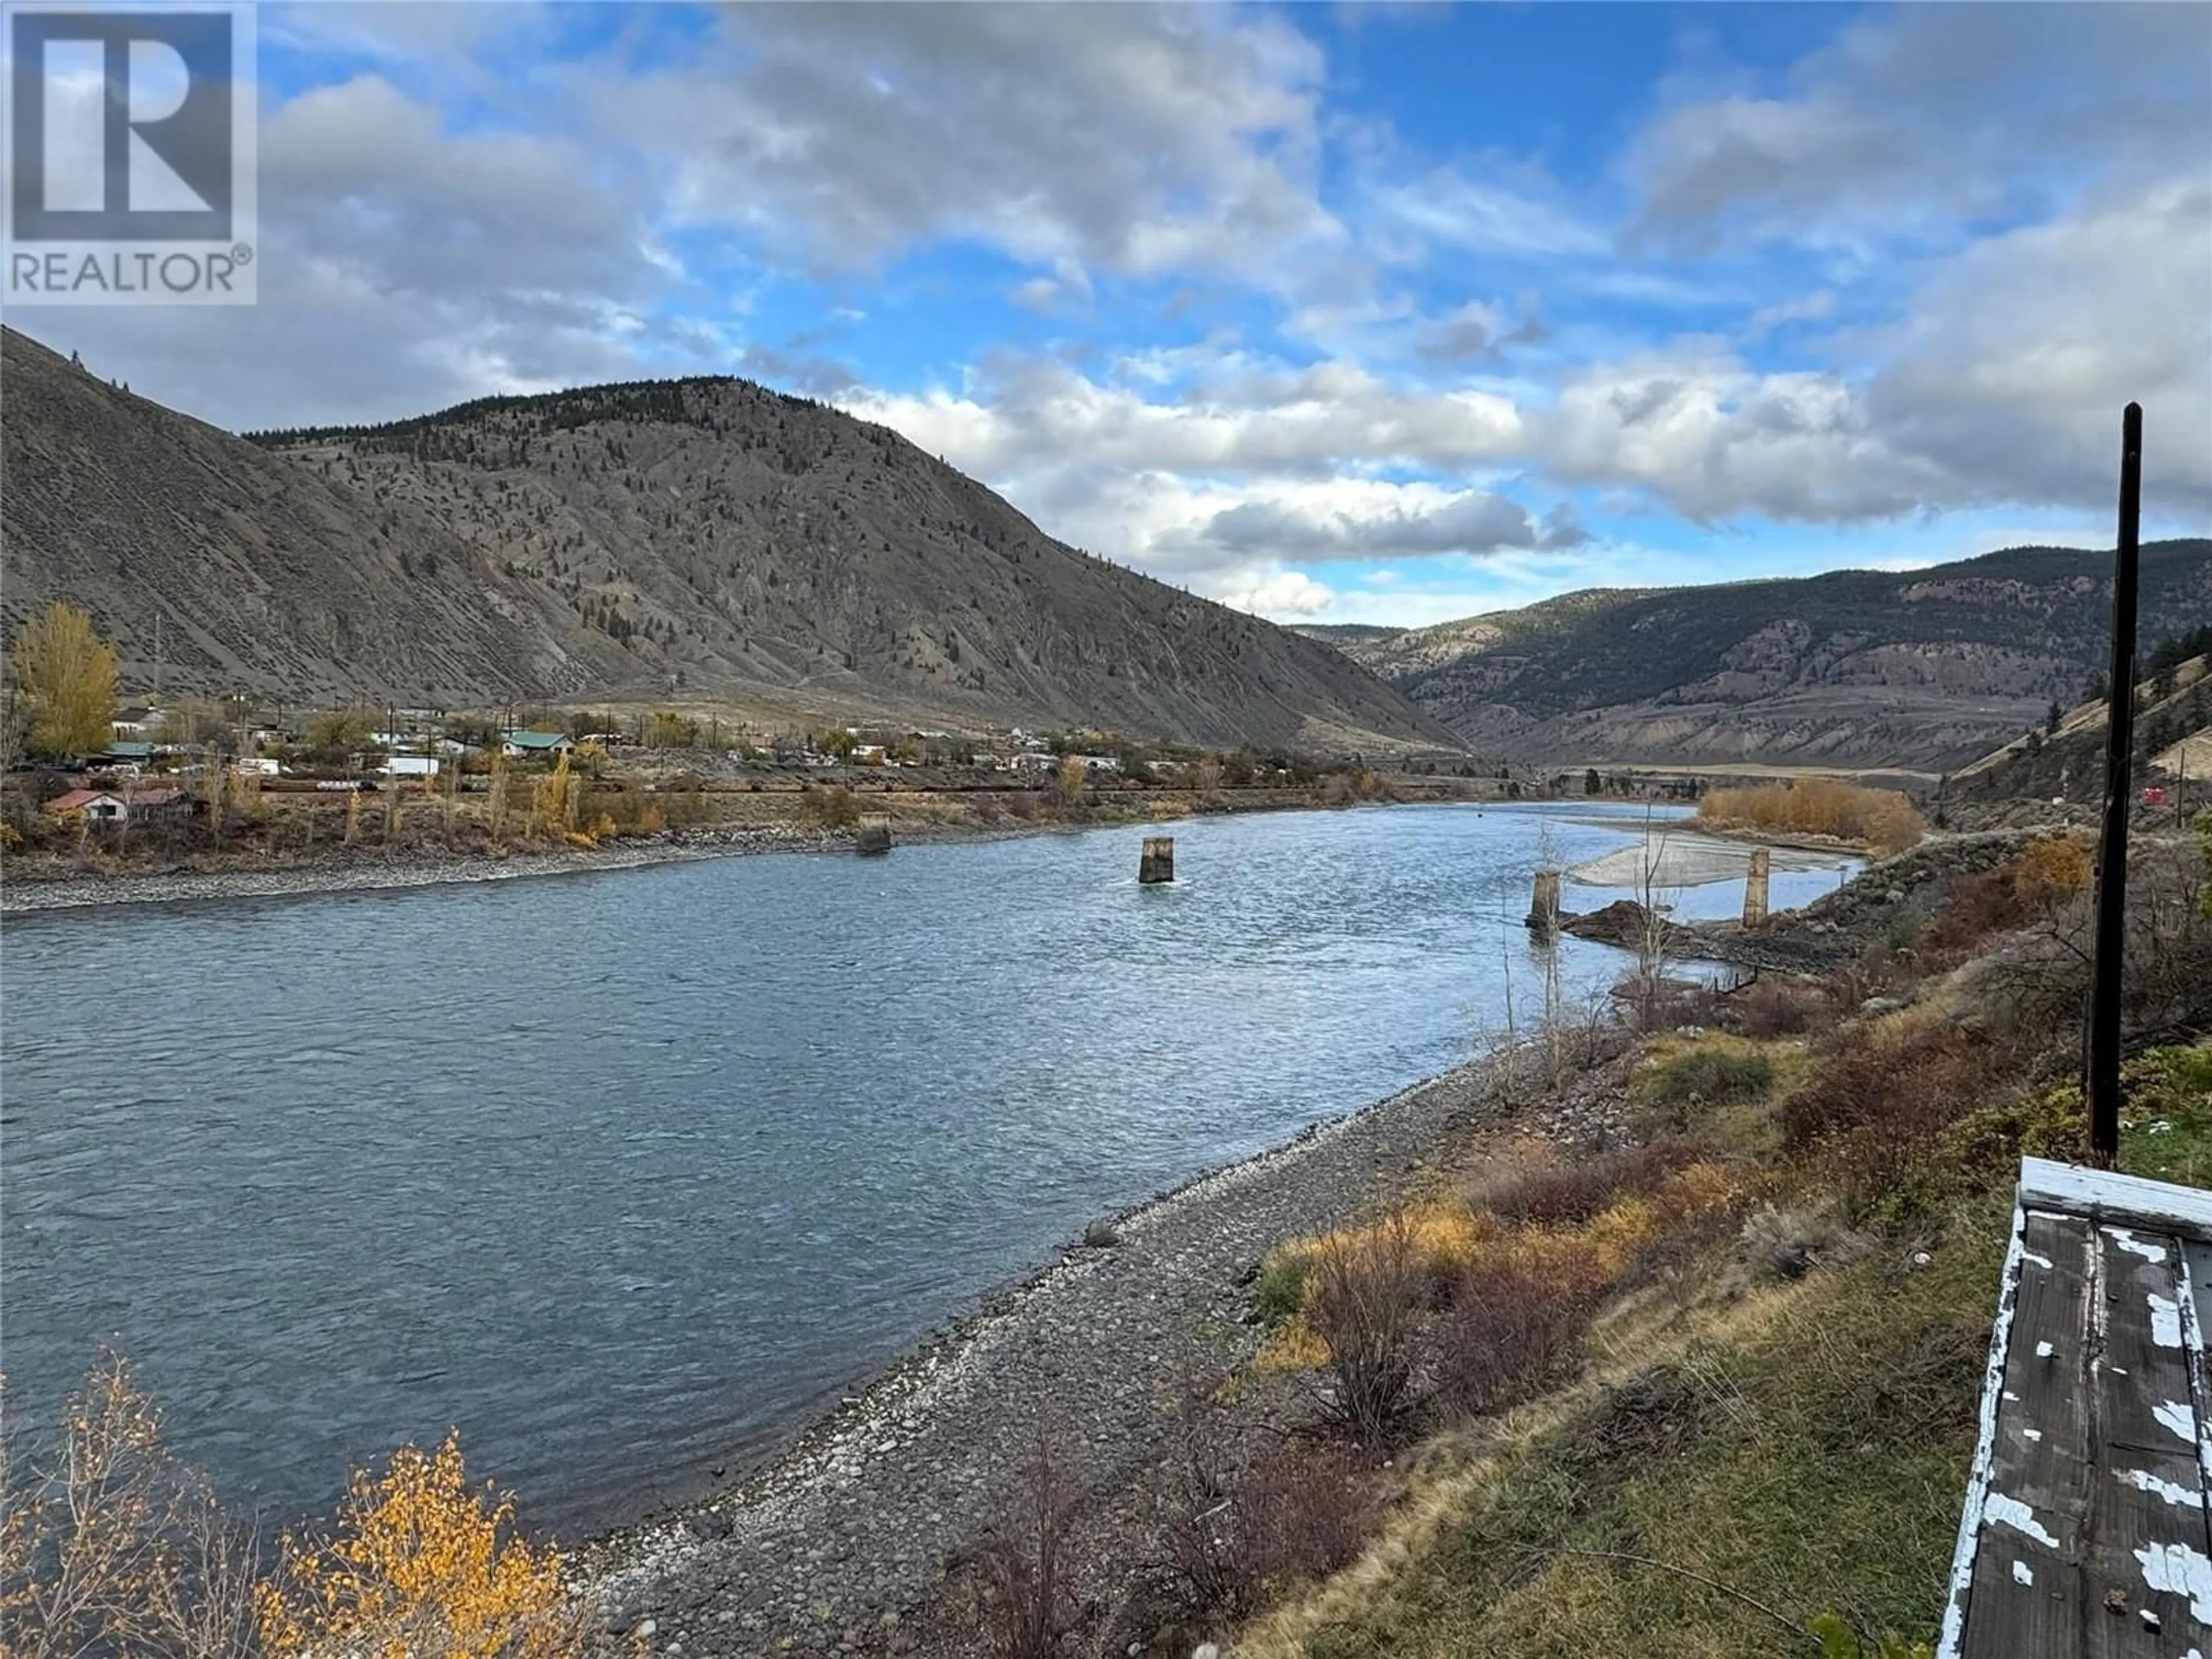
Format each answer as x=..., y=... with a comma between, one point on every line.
x=131, y=157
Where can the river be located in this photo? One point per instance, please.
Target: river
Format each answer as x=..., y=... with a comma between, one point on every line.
x=627, y=1176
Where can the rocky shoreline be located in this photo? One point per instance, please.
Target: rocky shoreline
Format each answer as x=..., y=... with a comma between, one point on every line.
x=846, y=1543
x=22, y=896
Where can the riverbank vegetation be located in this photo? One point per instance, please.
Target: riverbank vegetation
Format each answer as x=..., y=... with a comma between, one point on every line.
x=112, y=1544
x=1884, y=820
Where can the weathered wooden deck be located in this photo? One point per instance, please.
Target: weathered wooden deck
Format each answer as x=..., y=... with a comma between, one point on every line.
x=2086, y=1528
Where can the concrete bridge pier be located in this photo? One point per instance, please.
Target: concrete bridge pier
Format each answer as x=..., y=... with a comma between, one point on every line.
x=1754, y=888
x=1156, y=863
x=1544, y=904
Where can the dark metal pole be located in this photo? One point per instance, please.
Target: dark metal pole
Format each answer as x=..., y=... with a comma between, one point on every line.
x=2103, y=1080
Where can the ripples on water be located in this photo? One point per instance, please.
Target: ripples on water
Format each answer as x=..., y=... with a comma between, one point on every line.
x=627, y=1175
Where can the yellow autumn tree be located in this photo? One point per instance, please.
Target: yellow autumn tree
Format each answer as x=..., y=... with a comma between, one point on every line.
x=68, y=674
x=1070, y=780
x=555, y=801
x=422, y=1566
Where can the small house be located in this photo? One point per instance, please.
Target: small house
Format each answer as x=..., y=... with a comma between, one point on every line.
x=97, y=805
x=127, y=753
x=411, y=766
x=133, y=722
x=157, y=802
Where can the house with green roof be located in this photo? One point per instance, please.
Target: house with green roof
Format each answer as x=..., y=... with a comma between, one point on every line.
x=534, y=745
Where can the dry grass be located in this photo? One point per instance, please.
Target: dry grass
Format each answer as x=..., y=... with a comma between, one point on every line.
x=1884, y=819
x=1754, y=1445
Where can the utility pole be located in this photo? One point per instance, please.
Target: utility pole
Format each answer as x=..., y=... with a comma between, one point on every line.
x=2101, y=1081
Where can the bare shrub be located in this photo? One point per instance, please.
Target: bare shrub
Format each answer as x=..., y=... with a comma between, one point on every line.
x=628, y=812
x=1874, y=1112
x=1977, y=906
x=1770, y=1007
x=833, y=808
x=1302, y=1510
x=1200, y=1528
x=1508, y=1330
x=2045, y=875
x=1029, y=1597
x=1239, y=1537
x=1364, y=1299
x=2042, y=978
x=1548, y=1197
x=113, y=1546
x=1884, y=1078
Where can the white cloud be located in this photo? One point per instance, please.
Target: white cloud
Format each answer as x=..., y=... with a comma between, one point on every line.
x=1918, y=118
x=1704, y=432
x=1282, y=595
x=1816, y=306
x=1068, y=285
x=1132, y=139
x=1245, y=416
x=404, y=266
x=1416, y=521
x=1483, y=215
x=2018, y=353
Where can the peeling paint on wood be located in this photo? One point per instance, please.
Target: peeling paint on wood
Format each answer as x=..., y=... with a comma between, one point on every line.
x=2095, y=1453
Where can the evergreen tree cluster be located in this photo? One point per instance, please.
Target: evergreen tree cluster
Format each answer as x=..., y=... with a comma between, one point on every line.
x=445, y=434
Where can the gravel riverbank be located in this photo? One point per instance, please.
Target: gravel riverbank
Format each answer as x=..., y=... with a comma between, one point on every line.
x=429, y=867
x=843, y=1544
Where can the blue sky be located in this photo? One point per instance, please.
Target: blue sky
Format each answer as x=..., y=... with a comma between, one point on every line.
x=1353, y=313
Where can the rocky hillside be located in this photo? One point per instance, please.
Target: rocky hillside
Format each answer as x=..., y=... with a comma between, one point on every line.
x=2065, y=760
x=1928, y=668
x=697, y=538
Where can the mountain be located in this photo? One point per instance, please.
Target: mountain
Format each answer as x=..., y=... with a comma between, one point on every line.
x=1930, y=668
x=693, y=539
